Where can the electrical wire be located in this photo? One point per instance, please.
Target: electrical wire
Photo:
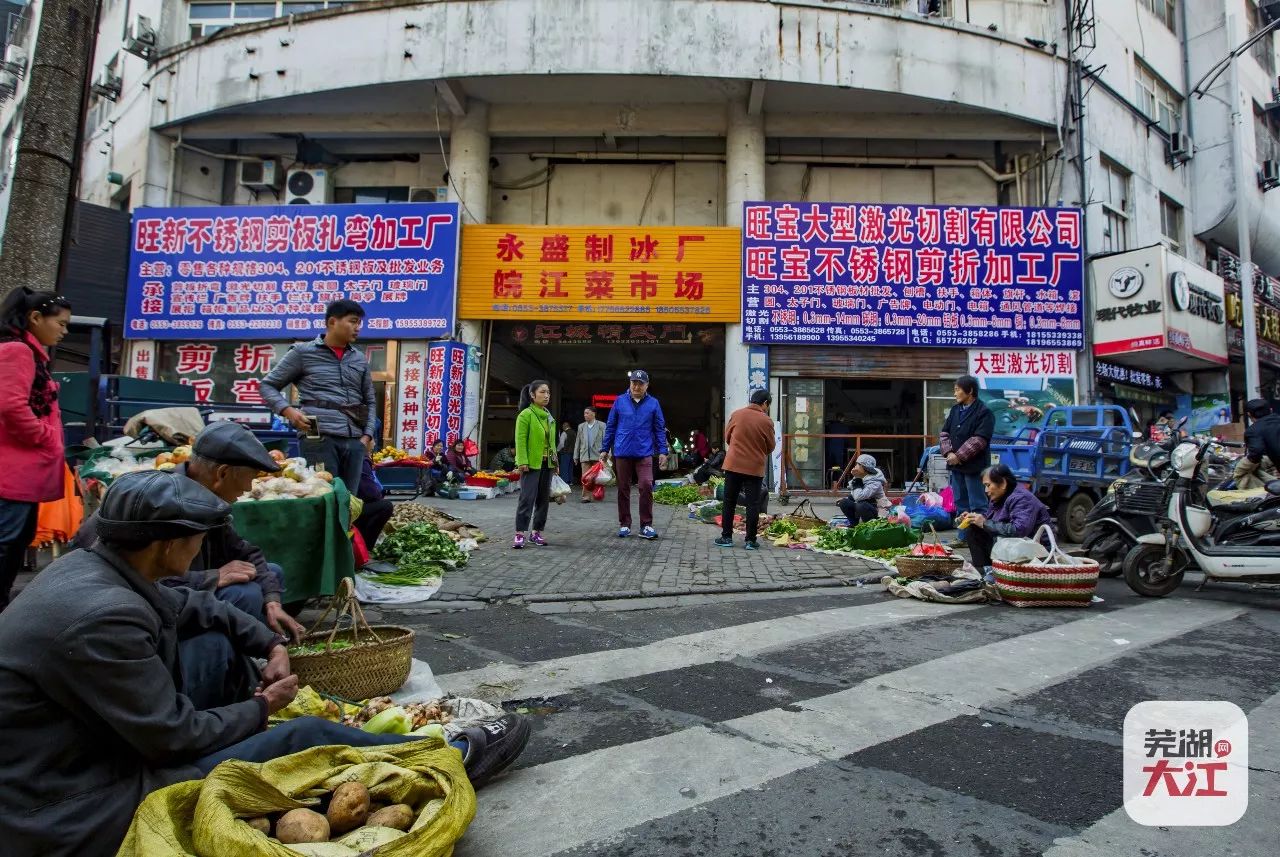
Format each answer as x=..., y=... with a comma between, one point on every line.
x=435, y=103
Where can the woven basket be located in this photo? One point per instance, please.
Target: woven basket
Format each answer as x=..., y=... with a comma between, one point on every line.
x=379, y=665
x=920, y=566
x=1045, y=583
x=804, y=517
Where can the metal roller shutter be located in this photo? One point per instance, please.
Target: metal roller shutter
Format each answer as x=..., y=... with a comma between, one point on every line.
x=816, y=361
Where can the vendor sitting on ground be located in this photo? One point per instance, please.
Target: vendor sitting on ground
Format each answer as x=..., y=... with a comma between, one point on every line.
x=866, y=498
x=225, y=458
x=100, y=705
x=504, y=461
x=1014, y=513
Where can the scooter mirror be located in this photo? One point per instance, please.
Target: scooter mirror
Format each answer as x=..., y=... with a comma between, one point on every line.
x=1273, y=487
x=1137, y=435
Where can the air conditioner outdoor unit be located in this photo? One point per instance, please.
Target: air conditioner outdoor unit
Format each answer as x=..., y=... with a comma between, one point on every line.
x=140, y=38
x=308, y=187
x=1269, y=175
x=1179, y=148
x=108, y=86
x=428, y=194
x=259, y=175
x=15, y=60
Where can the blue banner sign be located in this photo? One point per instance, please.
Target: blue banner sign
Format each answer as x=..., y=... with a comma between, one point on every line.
x=267, y=272
x=930, y=275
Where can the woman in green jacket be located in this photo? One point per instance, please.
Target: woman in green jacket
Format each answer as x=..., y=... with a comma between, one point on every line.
x=536, y=460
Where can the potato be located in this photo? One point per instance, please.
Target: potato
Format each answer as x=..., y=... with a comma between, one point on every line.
x=349, y=807
x=262, y=825
x=398, y=816
x=302, y=825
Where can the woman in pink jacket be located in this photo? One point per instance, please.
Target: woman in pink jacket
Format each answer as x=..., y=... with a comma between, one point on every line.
x=31, y=447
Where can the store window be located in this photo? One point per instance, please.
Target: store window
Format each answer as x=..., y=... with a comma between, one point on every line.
x=1171, y=223
x=207, y=18
x=1164, y=10
x=803, y=420
x=1114, y=190
x=1158, y=100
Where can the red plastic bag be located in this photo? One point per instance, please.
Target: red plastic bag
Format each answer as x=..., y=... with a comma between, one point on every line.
x=589, y=478
x=359, y=548
x=598, y=491
x=470, y=448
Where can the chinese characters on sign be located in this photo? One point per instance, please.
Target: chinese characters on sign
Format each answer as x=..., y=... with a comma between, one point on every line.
x=257, y=272
x=887, y=274
x=216, y=372
x=1186, y=763
x=600, y=273
x=1128, y=310
x=1125, y=375
x=705, y=336
x=988, y=363
x=142, y=362
x=1266, y=292
x=444, y=393
x=411, y=378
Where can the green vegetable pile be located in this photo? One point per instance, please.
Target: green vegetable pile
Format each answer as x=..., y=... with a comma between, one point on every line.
x=835, y=539
x=320, y=648
x=876, y=534
x=781, y=528
x=676, y=495
x=886, y=554
x=420, y=551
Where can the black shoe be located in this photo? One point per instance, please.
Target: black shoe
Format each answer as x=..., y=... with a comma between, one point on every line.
x=492, y=748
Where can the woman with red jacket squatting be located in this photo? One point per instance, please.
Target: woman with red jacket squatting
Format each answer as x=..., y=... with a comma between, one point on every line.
x=635, y=431
x=31, y=444
x=964, y=440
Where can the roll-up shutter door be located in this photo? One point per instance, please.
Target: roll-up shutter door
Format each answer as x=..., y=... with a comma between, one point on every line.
x=816, y=361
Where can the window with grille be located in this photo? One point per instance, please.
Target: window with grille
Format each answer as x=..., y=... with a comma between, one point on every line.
x=1114, y=193
x=1158, y=100
x=1171, y=223
x=1264, y=50
x=206, y=18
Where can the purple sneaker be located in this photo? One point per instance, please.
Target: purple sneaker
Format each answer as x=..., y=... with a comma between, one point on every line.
x=518, y=542
x=536, y=538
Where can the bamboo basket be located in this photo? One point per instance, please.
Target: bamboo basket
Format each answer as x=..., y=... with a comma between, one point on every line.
x=377, y=666
x=921, y=566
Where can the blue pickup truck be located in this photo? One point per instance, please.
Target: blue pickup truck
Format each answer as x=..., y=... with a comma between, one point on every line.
x=1068, y=458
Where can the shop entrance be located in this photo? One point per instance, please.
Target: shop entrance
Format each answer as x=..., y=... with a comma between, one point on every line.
x=587, y=364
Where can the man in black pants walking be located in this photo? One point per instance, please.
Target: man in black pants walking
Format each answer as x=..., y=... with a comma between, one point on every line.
x=749, y=441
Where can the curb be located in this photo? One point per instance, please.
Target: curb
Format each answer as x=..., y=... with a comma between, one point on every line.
x=618, y=595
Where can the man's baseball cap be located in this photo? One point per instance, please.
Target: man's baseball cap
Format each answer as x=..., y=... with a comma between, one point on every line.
x=232, y=443
x=1256, y=407
x=638, y=375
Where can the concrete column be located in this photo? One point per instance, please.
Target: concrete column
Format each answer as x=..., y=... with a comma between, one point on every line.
x=744, y=180
x=469, y=185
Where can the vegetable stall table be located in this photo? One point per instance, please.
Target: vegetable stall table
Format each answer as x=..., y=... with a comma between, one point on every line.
x=307, y=537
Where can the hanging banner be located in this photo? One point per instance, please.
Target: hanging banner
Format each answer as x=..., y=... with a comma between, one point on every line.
x=410, y=380
x=267, y=272
x=1001, y=363
x=930, y=275
x=600, y=273
x=1266, y=310
x=444, y=396
x=142, y=361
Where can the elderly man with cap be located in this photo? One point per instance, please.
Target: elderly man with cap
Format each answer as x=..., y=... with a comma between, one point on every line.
x=225, y=458
x=100, y=705
x=636, y=431
x=748, y=443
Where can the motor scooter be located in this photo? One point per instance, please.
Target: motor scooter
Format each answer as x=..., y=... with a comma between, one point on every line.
x=1195, y=532
x=1130, y=508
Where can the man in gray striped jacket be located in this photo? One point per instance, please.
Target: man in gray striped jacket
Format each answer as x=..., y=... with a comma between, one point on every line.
x=335, y=387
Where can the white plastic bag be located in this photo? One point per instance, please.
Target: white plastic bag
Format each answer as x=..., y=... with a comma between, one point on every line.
x=559, y=488
x=605, y=476
x=1017, y=551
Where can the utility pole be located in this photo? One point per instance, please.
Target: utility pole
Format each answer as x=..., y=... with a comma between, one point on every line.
x=1245, y=182
x=44, y=175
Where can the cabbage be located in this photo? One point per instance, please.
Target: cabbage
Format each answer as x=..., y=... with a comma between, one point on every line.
x=390, y=721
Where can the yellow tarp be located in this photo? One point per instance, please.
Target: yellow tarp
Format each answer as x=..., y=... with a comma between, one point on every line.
x=203, y=818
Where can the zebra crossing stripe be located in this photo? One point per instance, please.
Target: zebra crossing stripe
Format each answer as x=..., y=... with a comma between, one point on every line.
x=586, y=798
x=560, y=675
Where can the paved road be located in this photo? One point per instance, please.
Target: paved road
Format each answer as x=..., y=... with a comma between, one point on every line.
x=843, y=722
x=587, y=559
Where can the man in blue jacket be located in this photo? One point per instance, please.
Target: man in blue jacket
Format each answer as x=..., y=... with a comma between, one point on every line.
x=635, y=431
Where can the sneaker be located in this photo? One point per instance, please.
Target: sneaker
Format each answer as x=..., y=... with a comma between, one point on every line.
x=536, y=538
x=724, y=542
x=518, y=542
x=648, y=533
x=623, y=532
x=492, y=748
x=753, y=546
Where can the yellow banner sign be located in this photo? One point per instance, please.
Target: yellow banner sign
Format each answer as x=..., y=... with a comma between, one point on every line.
x=601, y=273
